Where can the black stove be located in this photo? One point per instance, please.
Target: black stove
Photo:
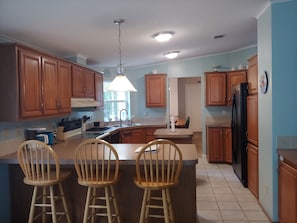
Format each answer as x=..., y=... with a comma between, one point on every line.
x=93, y=135
x=98, y=129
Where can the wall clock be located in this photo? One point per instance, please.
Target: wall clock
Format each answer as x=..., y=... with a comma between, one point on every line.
x=264, y=82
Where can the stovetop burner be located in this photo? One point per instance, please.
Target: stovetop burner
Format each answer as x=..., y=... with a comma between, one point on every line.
x=93, y=135
x=97, y=129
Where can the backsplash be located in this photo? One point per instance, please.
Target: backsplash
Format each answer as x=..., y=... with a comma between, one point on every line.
x=287, y=142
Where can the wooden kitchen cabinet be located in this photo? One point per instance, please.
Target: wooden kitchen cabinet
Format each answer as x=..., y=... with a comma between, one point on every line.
x=30, y=84
x=233, y=78
x=215, y=144
x=33, y=84
x=64, y=87
x=219, y=86
x=99, y=89
x=133, y=135
x=215, y=88
x=49, y=81
x=287, y=188
x=252, y=119
x=155, y=90
x=253, y=169
x=83, y=82
x=252, y=75
x=228, y=145
x=219, y=145
x=149, y=136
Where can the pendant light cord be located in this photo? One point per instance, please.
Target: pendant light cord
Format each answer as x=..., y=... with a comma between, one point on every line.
x=120, y=47
x=120, y=69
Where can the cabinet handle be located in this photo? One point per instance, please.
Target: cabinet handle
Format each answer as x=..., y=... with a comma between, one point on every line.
x=41, y=106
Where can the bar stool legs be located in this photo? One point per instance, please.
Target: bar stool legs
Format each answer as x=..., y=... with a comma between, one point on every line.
x=151, y=203
x=47, y=200
x=107, y=201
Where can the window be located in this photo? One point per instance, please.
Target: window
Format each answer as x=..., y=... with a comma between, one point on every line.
x=113, y=102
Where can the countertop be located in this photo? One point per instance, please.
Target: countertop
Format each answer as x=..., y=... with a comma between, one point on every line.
x=126, y=152
x=178, y=133
x=288, y=155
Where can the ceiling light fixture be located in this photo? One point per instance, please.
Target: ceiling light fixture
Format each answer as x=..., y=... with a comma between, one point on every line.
x=172, y=54
x=120, y=82
x=163, y=36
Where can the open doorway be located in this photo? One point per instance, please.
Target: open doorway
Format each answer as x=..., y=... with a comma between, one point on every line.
x=185, y=100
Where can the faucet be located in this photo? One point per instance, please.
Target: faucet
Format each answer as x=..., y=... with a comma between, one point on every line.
x=121, y=115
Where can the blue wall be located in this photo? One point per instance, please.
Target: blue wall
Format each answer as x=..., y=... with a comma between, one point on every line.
x=277, y=54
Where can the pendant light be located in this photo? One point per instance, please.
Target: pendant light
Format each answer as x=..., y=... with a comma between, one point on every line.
x=120, y=82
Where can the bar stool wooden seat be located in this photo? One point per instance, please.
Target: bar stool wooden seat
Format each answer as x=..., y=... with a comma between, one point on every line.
x=41, y=168
x=97, y=166
x=158, y=166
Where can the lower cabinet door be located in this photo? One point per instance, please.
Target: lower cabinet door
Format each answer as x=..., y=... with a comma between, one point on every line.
x=287, y=193
x=253, y=169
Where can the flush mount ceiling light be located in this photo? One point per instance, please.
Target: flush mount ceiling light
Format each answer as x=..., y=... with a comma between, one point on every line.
x=120, y=82
x=172, y=54
x=163, y=36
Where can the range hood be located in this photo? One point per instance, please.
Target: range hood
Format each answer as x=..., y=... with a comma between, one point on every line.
x=84, y=103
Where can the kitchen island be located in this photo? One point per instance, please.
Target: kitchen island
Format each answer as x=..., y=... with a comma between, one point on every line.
x=129, y=196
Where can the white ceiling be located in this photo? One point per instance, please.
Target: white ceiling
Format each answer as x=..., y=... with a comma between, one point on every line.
x=77, y=27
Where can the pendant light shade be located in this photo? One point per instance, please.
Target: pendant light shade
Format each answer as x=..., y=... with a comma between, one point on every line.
x=121, y=82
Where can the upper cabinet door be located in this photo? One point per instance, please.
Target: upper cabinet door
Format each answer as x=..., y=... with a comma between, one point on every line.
x=215, y=89
x=83, y=82
x=49, y=81
x=233, y=78
x=77, y=82
x=89, y=83
x=30, y=84
x=155, y=90
x=64, y=87
x=252, y=76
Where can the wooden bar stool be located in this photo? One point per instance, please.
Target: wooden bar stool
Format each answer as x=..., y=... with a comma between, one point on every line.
x=97, y=166
x=41, y=168
x=158, y=166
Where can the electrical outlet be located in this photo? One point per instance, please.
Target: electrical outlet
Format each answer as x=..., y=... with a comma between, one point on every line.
x=266, y=189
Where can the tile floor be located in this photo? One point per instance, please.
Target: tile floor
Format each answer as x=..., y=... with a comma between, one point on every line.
x=221, y=198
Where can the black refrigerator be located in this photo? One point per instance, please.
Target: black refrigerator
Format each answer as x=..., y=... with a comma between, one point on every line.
x=239, y=131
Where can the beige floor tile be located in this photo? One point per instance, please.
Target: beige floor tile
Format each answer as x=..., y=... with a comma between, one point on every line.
x=255, y=216
x=207, y=205
x=225, y=197
x=221, y=190
x=245, y=197
x=211, y=221
x=205, y=197
x=249, y=206
x=229, y=205
x=233, y=215
x=209, y=215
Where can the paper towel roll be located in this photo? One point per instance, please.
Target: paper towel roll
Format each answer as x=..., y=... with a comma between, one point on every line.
x=172, y=124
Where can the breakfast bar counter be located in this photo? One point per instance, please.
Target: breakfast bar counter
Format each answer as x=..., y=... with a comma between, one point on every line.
x=129, y=196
